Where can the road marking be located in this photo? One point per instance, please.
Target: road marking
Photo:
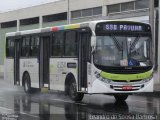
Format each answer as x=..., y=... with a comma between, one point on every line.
x=6, y=108
x=60, y=100
x=139, y=101
x=29, y=114
x=80, y=103
x=19, y=112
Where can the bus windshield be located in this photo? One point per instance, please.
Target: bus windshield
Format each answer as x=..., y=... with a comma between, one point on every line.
x=118, y=50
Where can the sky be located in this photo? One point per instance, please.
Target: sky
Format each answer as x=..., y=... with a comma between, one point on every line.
x=8, y=5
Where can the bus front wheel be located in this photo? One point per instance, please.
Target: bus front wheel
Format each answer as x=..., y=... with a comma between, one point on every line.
x=120, y=97
x=74, y=95
x=27, y=84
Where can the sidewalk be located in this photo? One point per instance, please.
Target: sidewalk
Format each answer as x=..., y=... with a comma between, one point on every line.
x=1, y=71
x=156, y=82
x=157, y=87
x=1, y=75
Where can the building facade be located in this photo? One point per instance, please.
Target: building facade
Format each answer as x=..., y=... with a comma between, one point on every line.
x=70, y=11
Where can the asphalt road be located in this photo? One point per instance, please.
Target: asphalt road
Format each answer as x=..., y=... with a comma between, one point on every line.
x=15, y=104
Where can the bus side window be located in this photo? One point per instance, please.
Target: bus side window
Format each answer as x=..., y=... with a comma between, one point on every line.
x=10, y=48
x=57, y=44
x=89, y=47
x=86, y=38
x=25, y=50
x=34, y=46
x=71, y=44
x=7, y=48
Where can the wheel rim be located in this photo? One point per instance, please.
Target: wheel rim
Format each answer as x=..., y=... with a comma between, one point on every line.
x=26, y=85
x=73, y=91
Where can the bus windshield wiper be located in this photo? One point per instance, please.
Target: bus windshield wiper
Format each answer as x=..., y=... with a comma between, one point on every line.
x=116, y=43
x=134, y=43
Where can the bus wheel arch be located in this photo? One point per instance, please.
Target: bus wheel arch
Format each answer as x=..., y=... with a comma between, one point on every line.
x=121, y=97
x=26, y=82
x=71, y=88
x=69, y=79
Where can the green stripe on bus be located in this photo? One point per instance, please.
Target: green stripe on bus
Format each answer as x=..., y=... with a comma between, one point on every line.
x=126, y=76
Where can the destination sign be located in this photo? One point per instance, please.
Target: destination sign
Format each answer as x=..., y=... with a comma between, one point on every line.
x=120, y=27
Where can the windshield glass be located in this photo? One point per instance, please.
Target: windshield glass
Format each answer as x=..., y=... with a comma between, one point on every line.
x=119, y=50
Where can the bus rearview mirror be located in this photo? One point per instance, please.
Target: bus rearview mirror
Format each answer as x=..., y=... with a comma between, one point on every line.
x=93, y=41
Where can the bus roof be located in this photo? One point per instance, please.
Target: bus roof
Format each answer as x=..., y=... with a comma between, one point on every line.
x=62, y=27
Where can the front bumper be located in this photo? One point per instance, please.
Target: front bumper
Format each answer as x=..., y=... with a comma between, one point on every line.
x=137, y=87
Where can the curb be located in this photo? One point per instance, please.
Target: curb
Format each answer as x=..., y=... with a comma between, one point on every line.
x=151, y=94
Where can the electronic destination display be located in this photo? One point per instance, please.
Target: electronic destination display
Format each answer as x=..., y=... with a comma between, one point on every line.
x=122, y=27
x=114, y=27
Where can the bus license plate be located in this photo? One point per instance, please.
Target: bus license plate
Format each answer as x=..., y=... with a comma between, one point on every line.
x=127, y=88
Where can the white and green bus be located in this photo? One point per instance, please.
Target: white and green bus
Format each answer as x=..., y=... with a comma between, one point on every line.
x=96, y=57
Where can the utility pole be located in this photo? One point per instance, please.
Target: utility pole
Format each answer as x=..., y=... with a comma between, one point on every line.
x=159, y=45
x=151, y=21
x=18, y=24
x=68, y=13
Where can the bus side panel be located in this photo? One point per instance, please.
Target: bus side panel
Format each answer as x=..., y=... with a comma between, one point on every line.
x=30, y=65
x=59, y=68
x=92, y=79
x=9, y=71
x=89, y=76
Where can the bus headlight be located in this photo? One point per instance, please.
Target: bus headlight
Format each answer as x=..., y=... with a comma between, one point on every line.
x=98, y=76
x=107, y=81
x=147, y=79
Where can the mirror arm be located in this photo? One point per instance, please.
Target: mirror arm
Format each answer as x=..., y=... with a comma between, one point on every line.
x=93, y=50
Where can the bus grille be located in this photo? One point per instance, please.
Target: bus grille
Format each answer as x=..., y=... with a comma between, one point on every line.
x=126, y=81
x=124, y=70
x=127, y=71
x=120, y=87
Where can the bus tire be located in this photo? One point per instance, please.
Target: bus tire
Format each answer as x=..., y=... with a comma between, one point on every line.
x=27, y=83
x=74, y=95
x=120, y=97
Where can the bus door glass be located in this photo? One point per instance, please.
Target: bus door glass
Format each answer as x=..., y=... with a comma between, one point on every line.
x=83, y=58
x=17, y=62
x=44, y=61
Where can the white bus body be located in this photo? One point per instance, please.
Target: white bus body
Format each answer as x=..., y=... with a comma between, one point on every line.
x=63, y=69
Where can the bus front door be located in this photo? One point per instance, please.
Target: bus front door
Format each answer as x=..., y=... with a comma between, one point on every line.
x=82, y=71
x=44, y=62
x=17, y=62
